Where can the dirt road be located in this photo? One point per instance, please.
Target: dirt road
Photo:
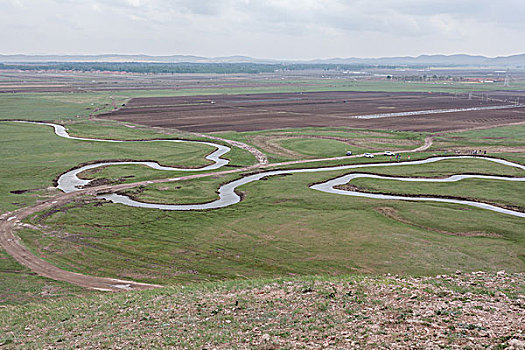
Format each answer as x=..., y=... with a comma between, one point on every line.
x=13, y=246
x=428, y=142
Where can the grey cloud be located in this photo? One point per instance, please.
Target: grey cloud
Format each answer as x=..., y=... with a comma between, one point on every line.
x=266, y=28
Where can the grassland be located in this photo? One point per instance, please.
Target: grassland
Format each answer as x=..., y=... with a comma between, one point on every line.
x=133, y=173
x=500, y=136
x=314, y=85
x=181, y=192
x=491, y=191
x=52, y=106
x=304, y=143
x=110, y=130
x=316, y=231
x=282, y=227
x=29, y=150
x=446, y=167
x=205, y=189
x=282, y=269
x=505, y=141
x=313, y=148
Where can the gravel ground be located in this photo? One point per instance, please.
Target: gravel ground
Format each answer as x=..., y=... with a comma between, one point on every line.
x=461, y=311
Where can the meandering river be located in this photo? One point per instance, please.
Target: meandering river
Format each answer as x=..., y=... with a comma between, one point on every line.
x=70, y=182
x=228, y=195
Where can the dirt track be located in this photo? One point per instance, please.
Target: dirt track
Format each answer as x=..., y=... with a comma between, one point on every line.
x=321, y=109
x=425, y=146
x=11, y=243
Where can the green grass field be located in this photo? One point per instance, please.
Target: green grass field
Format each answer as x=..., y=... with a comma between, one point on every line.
x=210, y=241
x=491, y=191
x=500, y=136
x=316, y=148
x=181, y=192
x=33, y=156
x=303, y=143
x=446, y=167
x=205, y=189
x=281, y=228
x=111, y=130
x=52, y=106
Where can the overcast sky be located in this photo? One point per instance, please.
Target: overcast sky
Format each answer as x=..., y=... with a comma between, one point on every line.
x=283, y=29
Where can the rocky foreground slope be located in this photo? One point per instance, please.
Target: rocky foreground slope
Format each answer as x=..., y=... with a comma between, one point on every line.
x=474, y=310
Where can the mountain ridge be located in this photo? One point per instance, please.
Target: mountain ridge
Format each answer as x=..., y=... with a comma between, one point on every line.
x=437, y=59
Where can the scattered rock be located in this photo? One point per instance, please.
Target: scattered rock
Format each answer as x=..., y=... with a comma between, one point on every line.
x=454, y=311
x=515, y=344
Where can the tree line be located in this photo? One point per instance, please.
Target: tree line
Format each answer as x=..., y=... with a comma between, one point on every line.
x=218, y=68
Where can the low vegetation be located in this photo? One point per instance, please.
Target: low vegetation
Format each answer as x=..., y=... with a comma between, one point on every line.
x=452, y=311
x=51, y=106
x=506, y=142
x=181, y=192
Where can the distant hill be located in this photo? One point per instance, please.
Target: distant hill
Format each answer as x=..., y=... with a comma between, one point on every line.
x=435, y=60
x=129, y=58
x=462, y=60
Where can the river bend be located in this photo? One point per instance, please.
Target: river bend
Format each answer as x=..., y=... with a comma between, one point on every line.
x=228, y=195
x=215, y=156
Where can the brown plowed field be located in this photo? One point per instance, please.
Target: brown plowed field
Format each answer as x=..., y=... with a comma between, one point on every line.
x=319, y=109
